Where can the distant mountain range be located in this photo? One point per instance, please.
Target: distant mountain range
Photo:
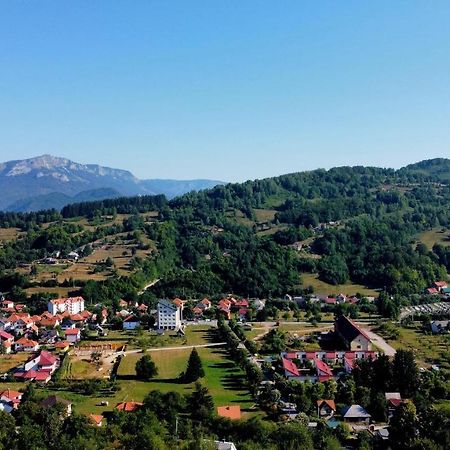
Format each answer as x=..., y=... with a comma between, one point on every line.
x=50, y=182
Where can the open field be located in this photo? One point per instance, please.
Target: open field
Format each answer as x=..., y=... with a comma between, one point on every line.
x=59, y=291
x=224, y=380
x=8, y=362
x=9, y=234
x=320, y=287
x=428, y=349
x=435, y=236
x=265, y=215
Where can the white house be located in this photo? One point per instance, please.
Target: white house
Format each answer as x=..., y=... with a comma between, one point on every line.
x=168, y=316
x=73, y=335
x=74, y=305
x=26, y=345
x=131, y=323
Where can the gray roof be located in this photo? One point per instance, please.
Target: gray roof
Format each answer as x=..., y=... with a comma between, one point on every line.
x=168, y=304
x=355, y=412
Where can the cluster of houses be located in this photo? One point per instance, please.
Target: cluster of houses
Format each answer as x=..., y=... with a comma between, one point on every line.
x=440, y=288
x=326, y=300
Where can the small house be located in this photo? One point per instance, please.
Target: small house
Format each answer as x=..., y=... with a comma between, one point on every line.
x=232, y=412
x=73, y=335
x=131, y=323
x=326, y=408
x=355, y=413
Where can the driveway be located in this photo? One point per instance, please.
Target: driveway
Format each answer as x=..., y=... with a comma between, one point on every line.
x=381, y=343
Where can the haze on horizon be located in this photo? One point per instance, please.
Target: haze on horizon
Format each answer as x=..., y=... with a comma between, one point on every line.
x=228, y=91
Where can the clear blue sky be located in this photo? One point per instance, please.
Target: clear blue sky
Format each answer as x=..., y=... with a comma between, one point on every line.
x=228, y=90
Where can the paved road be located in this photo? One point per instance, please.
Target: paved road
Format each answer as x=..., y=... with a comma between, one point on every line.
x=181, y=347
x=381, y=343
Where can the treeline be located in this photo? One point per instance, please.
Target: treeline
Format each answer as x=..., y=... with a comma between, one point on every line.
x=121, y=205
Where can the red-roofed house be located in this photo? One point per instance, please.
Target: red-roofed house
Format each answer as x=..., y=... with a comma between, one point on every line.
x=7, y=304
x=96, y=419
x=73, y=335
x=232, y=412
x=326, y=408
x=6, y=340
x=354, y=337
x=26, y=345
x=432, y=291
x=290, y=369
x=128, y=406
x=324, y=371
x=439, y=285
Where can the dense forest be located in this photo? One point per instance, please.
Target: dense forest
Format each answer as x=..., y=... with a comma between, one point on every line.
x=361, y=224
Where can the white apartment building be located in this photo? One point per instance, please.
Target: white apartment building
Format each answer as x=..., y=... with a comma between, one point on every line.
x=73, y=305
x=168, y=316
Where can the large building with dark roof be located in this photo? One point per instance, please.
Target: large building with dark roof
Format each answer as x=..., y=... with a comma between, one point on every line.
x=354, y=337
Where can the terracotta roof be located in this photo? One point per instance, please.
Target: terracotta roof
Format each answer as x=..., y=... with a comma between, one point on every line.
x=330, y=403
x=97, y=419
x=46, y=358
x=432, y=291
x=62, y=344
x=131, y=319
x=71, y=331
x=323, y=367
x=330, y=355
x=291, y=355
x=5, y=335
x=77, y=317
x=290, y=367
x=13, y=395
x=128, y=406
x=26, y=342
x=60, y=301
x=232, y=412
x=441, y=284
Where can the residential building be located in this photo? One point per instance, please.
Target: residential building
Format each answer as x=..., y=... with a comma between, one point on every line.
x=73, y=335
x=131, y=323
x=53, y=400
x=168, y=316
x=97, y=419
x=128, y=406
x=355, y=413
x=326, y=408
x=26, y=345
x=73, y=305
x=232, y=412
x=354, y=337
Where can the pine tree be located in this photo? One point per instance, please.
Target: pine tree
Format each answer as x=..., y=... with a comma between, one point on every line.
x=194, y=369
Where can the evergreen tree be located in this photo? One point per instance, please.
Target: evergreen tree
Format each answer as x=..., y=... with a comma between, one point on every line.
x=146, y=368
x=194, y=369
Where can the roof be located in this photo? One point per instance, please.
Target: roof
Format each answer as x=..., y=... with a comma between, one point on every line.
x=330, y=403
x=231, y=411
x=432, y=291
x=62, y=344
x=291, y=355
x=131, y=318
x=167, y=304
x=349, y=329
x=96, y=418
x=26, y=342
x=60, y=301
x=12, y=395
x=355, y=412
x=290, y=367
x=441, y=284
x=46, y=358
x=323, y=367
x=72, y=331
x=128, y=406
x=392, y=395
x=53, y=400
x=5, y=335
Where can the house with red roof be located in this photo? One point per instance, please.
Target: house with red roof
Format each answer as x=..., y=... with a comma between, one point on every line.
x=290, y=369
x=6, y=340
x=26, y=345
x=72, y=335
x=97, y=419
x=324, y=371
x=432, y=291
x=325, y=408
x=131, y=323
x=128, y=406
x=439, y=285
x=232, y=412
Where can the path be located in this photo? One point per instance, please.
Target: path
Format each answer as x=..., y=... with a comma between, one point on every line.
x=381, y=343
x=148, y=286
x=181, y=347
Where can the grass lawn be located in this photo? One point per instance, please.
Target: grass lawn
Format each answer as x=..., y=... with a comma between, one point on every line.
x=8, y=362
x=435, y=236
x=428, y=349
x=320, y=287
x=9, y=234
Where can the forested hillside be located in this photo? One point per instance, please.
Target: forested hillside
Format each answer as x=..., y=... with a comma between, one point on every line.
x=348, y=225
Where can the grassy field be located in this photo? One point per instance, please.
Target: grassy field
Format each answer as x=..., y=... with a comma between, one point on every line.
x=428, y=349
x=9, y=234
x=8, y=362
x=223, y=378
x=320, y=287
x=435, y=236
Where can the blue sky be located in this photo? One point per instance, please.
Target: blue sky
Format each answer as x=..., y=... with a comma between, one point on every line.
x=228, y=90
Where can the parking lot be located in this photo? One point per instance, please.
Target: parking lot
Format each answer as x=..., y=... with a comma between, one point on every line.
x=438, y=308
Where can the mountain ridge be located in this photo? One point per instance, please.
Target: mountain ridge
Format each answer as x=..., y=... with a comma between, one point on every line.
x=48, y=181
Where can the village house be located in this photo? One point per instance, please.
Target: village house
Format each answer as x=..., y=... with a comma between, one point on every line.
x=26, y=345
x=53, y=400
x=10, y=400
x=232, y=412
x=131, y=323
x=354, y=337
x=439, y=326
x=355, y=413
x=7, y=304
x=74, y=305
x=72, y=335
x=326, y=408
x=6, y=340
x=5, y=323
x=168, y=316
x=128, y=406
x=97, y=419
x=440, y=285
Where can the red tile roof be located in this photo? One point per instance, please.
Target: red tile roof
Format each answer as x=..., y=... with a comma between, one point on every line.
x=290, y=367
x=323, y=367
x=46, y=358
x=232, y=412
x=330, y=403
x=128, y=406
x=71, y=331
x=97, y=419
x=5, y=335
